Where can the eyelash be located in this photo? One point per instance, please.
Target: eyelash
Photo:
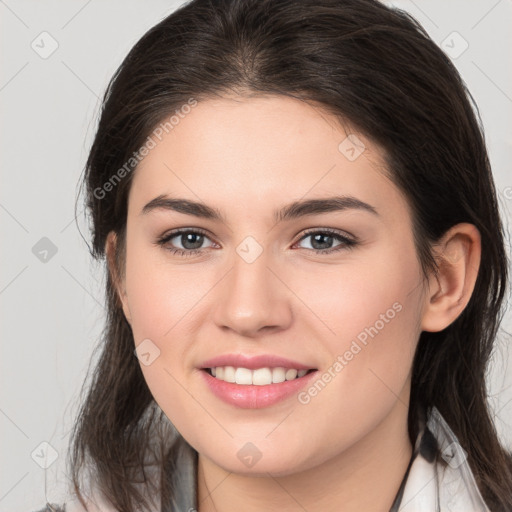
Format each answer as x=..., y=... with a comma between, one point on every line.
x=347, y=243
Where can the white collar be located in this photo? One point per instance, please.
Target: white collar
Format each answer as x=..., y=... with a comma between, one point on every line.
x=439, y=477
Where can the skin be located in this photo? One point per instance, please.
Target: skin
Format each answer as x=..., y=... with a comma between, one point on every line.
x=348, y=448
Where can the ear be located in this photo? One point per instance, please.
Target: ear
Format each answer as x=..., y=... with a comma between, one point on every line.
x=458, y=257
x=117, y=279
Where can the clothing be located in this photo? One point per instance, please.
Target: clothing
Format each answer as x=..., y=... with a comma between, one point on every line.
x=438, y=478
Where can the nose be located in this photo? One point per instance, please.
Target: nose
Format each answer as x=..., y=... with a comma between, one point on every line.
x=253, y=297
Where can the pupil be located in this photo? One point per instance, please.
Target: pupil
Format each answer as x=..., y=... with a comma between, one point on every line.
x=325, y=244
x=189, y=238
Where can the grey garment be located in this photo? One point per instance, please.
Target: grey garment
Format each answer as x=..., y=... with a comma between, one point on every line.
x=438, y=477
x=181, y=470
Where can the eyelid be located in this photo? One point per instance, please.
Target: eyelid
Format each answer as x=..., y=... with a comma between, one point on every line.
x=338, y=232
x=179, y=231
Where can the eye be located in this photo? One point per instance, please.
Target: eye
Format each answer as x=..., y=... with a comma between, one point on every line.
x=322, y=240
x=191, y=241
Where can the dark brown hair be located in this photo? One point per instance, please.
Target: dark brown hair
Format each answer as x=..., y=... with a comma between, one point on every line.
x=371, y=66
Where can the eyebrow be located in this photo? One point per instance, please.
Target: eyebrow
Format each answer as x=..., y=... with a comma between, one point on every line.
x=290, y=211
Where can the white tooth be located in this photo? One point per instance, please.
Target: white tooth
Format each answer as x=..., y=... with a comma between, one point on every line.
x=291, y=374
x=229, y=373
x=262, y=377
x=258, y=377
x=278, y=375
x=243, y=376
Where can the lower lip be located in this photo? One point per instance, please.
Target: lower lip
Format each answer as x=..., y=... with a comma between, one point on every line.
x=255, y=397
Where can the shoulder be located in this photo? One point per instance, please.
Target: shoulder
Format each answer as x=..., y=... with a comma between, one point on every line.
x=52, y=507
x=72, y=504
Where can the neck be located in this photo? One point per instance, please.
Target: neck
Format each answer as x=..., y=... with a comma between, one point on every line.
x=364, y=477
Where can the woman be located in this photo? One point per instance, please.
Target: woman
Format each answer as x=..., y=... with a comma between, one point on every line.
x=306, y=270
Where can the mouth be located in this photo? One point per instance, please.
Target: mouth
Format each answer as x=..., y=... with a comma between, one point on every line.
x=256, y=377
x=256, y=388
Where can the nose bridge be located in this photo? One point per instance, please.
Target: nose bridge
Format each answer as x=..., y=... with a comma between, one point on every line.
x=251, y=297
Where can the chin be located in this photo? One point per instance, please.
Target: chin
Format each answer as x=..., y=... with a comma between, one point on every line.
x=275, y=463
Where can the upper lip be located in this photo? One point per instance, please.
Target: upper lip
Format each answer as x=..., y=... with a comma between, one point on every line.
x=254, y=362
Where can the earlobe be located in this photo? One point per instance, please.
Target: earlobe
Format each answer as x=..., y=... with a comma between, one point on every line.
x=116, y=278
x=458, y=257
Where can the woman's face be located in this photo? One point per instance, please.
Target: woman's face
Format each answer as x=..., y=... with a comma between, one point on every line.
x=334, y=287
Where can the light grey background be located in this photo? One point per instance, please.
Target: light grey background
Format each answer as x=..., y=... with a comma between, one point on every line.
x=52, y=312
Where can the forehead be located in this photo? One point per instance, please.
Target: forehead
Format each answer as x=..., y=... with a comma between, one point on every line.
x=258, y=149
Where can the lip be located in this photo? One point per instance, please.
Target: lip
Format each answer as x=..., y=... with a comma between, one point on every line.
x=254, y=362
x=250, y=396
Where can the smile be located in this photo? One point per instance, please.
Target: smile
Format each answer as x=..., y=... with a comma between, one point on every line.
x=258, y=377
x=255, y=389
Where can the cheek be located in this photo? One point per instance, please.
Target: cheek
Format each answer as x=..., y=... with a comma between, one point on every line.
x=344, y=301
x=159, y=300
x=372, y=309
x=158, y=297
x=167, y=305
